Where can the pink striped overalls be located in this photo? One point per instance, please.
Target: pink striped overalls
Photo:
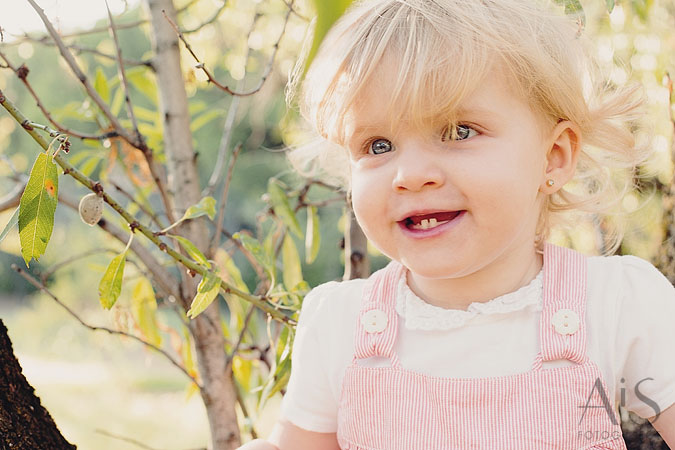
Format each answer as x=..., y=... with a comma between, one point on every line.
x=392, y=408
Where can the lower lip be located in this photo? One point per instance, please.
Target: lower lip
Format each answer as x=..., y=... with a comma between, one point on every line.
x=431, y=232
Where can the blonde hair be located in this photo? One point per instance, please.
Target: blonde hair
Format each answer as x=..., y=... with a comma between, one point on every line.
x=443, y=50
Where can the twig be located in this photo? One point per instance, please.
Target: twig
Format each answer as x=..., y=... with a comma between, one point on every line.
x=261, y=302
x=12, y=199
x=22, y=73
x=70, y=60
x=140, y=205
x=164, y=280
x=125, y=439
x=212, y=19
x=79, y=49
x=251, y=259
x=60, y=265
x=294, y=11
x=228, y=126
x=123, y=77
x=212, y=79
x=223, y=197
x=133, y=441
x=37, y=284
x=230, y=357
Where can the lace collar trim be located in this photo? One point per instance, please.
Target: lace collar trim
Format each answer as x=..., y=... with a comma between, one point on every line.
x=420, y=315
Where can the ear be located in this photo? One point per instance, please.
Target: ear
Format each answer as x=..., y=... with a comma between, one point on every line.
x=561, y=159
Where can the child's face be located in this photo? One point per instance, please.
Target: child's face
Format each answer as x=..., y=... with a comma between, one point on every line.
x=478, y=192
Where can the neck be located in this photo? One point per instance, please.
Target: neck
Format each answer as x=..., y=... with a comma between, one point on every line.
x=498, y=278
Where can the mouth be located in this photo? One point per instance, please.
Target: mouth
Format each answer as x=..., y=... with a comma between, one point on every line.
x=429, y=221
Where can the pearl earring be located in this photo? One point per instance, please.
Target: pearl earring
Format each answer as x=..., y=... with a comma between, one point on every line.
x=550, y=182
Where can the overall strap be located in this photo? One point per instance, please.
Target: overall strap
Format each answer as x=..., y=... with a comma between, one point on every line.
x=563, y=319
x=377, y=325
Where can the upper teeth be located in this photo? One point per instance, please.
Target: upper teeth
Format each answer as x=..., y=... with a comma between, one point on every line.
x=425, y=224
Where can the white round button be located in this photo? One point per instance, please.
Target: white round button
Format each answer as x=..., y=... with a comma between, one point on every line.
x=374, y=320
x=565, y=321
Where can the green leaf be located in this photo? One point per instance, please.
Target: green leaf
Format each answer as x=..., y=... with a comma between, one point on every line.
x=641, y=8
x=258, y=252
x=283, y=366
x=206, y=206
x=144, y=310
x=207, y=291
x=117, y=101
x=89, y=166
x=101, y=85
x=292, y=273
x=610, y=5
x=13, y=221
x=110, y=286
x=231, y=271
x=139, y=78
x=37, y=207
x=312, y=235
x=205, y=118
x=282, y=208
x=327, y=12
x=573, y=8
x=192, y=250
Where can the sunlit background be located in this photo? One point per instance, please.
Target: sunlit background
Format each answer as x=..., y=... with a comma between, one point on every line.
x=95, y=384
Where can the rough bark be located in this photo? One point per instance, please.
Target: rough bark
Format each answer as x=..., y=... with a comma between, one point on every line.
x=218, y=390
x=24, y=422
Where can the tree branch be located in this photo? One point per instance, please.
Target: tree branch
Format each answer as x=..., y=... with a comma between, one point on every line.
x=156, y=171
x=44, y=289
x=262, y=302
x=212, y=19
x=123, y=77
x=22, y=73
x=212, y=79
x=79, y=49
x=223, y=198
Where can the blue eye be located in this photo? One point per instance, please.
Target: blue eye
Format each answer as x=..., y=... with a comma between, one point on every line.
x=379, y=146
x=458, y=133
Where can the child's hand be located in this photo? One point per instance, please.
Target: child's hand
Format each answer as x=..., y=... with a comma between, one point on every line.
x=258, y=444
x=286, y=436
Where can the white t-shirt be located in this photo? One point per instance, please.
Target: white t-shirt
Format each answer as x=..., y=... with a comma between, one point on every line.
x=630, y=320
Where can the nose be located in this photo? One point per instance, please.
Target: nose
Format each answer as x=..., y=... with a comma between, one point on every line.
x=417, y=168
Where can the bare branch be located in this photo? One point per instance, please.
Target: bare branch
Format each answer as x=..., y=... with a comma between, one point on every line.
x=12, y=199
x=70, y=60
x=228, y=126
x=122, y=76
x=212, y=79
x=125, y=439
x=61, y=264
x=140, y=205
x=294, y=11
x=79, y=49
x=210, y=20
x=22, y=73
x=223, y=197
x=44, y=289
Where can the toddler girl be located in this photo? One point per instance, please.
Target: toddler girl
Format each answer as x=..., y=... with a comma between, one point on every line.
x=467, y=127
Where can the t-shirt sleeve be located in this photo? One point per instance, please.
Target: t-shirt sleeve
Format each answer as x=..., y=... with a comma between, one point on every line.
x=309, y=402
x=646, y=338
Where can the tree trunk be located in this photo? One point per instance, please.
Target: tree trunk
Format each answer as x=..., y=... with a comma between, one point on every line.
x=24, y=423
x=218, y=390
x=357, y=262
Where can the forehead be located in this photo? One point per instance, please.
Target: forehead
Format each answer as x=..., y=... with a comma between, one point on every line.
x=491, y=97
